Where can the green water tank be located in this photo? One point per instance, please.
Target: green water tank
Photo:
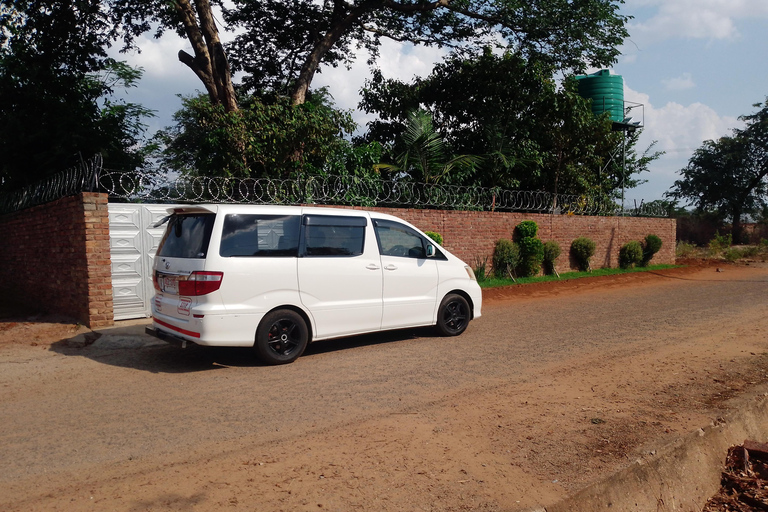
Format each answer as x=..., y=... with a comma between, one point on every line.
x=606, y=92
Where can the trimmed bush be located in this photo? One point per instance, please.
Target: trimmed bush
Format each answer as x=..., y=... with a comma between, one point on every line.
x=582, y=250
x=531, y=256
x=506, y=257
x=527, y=229
x=531, y=248
x=551, y=253
x=630, y=254
x=651, y=246
x=437, y=237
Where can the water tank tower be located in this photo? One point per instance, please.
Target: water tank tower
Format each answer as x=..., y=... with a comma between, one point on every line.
x=606, y=92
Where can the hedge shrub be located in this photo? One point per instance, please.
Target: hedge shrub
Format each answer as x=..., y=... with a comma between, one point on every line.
x=527, y=229
x=531, y=256
x=651, y=246
x=582, y=250
x=551, y=253
x=630, y=254
x=437, y=237
x=506, y=257
x=531, y=249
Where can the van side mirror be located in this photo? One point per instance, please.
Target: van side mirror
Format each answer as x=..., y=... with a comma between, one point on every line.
x=430, y=250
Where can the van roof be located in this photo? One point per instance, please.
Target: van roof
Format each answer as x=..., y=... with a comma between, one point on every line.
x=279, y=209
x=287, y=209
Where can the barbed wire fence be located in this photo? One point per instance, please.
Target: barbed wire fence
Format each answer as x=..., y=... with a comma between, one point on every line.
x=153, y=187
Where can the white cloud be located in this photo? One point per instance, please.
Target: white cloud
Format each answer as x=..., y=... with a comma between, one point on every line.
x=694, y=19
x=679, y=130
x=159, y=58
x=397, y=60
x=681, y=83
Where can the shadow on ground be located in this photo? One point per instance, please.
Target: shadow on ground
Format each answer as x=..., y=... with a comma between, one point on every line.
x=128, y=346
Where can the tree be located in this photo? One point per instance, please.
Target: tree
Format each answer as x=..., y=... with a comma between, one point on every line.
x=425, y=157
x=729, y=175
x=284, y=44
x=531, y=133
x=276, y=140
x=55, y=87
x=191, y=19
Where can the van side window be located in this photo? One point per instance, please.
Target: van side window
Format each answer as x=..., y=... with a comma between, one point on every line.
x=260, y=236
x=327, y=235
x=397, y=239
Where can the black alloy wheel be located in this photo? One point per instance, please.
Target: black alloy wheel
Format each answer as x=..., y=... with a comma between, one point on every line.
x=281, y=337
x=453, y=315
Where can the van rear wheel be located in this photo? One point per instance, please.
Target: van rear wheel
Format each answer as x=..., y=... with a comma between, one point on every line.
x=281, y=337
x=453, y=315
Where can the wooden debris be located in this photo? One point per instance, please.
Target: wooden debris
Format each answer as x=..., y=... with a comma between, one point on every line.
x=744, y=483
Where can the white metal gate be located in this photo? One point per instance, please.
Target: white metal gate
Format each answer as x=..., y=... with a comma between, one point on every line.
x=133, y=242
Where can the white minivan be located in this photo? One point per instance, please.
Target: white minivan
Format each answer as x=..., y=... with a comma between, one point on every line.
x=279, y=277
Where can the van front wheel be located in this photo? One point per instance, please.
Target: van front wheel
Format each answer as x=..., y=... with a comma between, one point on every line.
x=281, y=337
x=453, y=315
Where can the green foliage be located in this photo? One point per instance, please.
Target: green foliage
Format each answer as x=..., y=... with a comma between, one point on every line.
x=280, y=45
x=274, y=140
x=480, y=269
x=533, y=136
x=531, y=256
x=527, y=229
x=437, y=237
x=630, y=254
x=506, y=258
x=551, y=253
x=531, y=248
x=732, y=254
x=492, y=282
x=651, y=246
x=425, y=157
x=720, y=242
x=751, y=251
x=582, y=250
x=56, y=82
x=685, y=249
x=729, y=175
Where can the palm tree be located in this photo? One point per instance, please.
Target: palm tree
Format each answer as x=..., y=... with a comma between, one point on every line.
x=426, y=157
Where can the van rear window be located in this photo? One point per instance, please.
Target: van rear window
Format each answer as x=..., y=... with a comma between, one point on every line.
x=260, y=236
x=187, y=236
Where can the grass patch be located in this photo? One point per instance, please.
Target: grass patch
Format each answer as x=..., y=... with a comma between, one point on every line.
x=493, y=282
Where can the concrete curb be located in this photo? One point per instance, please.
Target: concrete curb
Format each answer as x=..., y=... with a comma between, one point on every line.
x=684, y=474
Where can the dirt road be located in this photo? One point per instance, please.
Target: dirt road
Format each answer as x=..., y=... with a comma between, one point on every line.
x=556, y=386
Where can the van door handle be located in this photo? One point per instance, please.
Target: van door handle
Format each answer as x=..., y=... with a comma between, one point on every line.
x=372, y=266
x=390, y=267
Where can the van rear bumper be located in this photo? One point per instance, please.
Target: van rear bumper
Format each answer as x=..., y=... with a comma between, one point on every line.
x=168, y=337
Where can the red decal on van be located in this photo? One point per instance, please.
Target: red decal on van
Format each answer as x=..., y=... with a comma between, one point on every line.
x=184, y=303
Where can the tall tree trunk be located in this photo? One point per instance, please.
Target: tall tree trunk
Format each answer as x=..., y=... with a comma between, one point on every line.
x=339, y=26
x=209, y=62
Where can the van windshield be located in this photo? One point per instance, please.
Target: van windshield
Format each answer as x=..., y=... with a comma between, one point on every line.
x=187, y=236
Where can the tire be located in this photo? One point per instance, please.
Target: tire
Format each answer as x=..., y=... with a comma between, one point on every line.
x=453, y=315
x=281, y=337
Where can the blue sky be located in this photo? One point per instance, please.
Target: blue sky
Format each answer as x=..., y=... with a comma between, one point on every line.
x=696, y=65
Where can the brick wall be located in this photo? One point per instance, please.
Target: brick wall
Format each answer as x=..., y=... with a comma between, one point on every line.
x=472, y=235
x=54, y=258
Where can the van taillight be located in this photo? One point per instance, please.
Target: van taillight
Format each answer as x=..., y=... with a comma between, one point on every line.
x=155, y=283
x=201, y=283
